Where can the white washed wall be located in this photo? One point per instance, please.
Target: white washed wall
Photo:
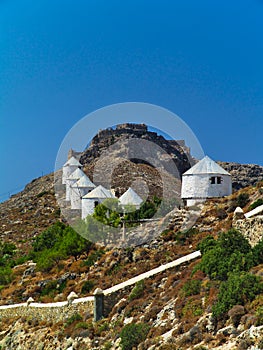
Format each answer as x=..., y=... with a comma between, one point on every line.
x=199, y=186
x=67, y=171
x=76, y=194
x=69, y=183
x=87, y=207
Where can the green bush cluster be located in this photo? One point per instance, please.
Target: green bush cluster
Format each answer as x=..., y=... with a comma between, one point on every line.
x=110, y=213
x=231, y=252
x=52, y=288
x=75, y=317
x=242, y=200
x=256, y=204
x=228, y=260
x=93, y=257
x=192, y=287
x=56, y=243
x=133, y=334
x=237, y=290
x=137, y=291
x=8, y=252
x=87, y=286
x=182, y=236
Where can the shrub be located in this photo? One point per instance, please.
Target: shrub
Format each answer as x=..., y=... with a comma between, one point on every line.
x=49, y=288
x=230, y=253
x=73, y=244
x=236, y=313
x=93, y=257
x=133, y=334
x=182, y=236
x=107, y=345
x=257, y=253
x=75, y=317
x=47, y=259
x=238, y=289
x=137, y=291
x=41, y=194
x=242, y=200
x=192, y=287
x=256, y=204
x=83, y=325
x=87, y=286
x=5, y=275
x=259, y=314
x=206, y=244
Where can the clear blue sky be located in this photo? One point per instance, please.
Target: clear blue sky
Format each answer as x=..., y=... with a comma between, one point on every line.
x=60, y=60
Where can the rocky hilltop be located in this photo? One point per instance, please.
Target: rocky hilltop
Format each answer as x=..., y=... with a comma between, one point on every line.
x=243, y=175
x=105, y=138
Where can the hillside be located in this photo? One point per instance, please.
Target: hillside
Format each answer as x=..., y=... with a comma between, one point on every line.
x=160, y=301
x=171, y=310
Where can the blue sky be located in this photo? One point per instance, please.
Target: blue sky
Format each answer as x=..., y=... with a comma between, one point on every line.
x=60, y=60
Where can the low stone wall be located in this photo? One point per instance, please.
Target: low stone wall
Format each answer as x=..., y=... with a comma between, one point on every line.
x=251, y=228
x=50, y=312
x=61, y=311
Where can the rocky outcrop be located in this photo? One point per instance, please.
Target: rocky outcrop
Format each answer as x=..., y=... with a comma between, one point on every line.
x=243, y=175
x=251, y=228
x=105, y=138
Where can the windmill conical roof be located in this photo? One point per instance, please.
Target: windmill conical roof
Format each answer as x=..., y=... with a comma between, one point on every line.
x=206, y=166
x=99, y=192
x=72, y=162
x=77, y=174
x=130, y=197
x=84, y=181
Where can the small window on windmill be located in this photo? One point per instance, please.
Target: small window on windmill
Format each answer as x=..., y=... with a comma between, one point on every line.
x=96, y=203
x=219, y=180
x=213, y=180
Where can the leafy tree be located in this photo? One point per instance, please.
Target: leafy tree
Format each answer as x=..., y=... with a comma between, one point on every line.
x=74, y=244
x=48, y=258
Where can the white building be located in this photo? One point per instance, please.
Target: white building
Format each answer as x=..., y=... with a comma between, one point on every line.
x=93, y=198
x=79, y=189
x=76, y=175
x=130, y=197
x=206, y=179
x=69, y=167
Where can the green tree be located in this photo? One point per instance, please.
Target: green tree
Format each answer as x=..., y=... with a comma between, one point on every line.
x=49, y=237
x=74, y=244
